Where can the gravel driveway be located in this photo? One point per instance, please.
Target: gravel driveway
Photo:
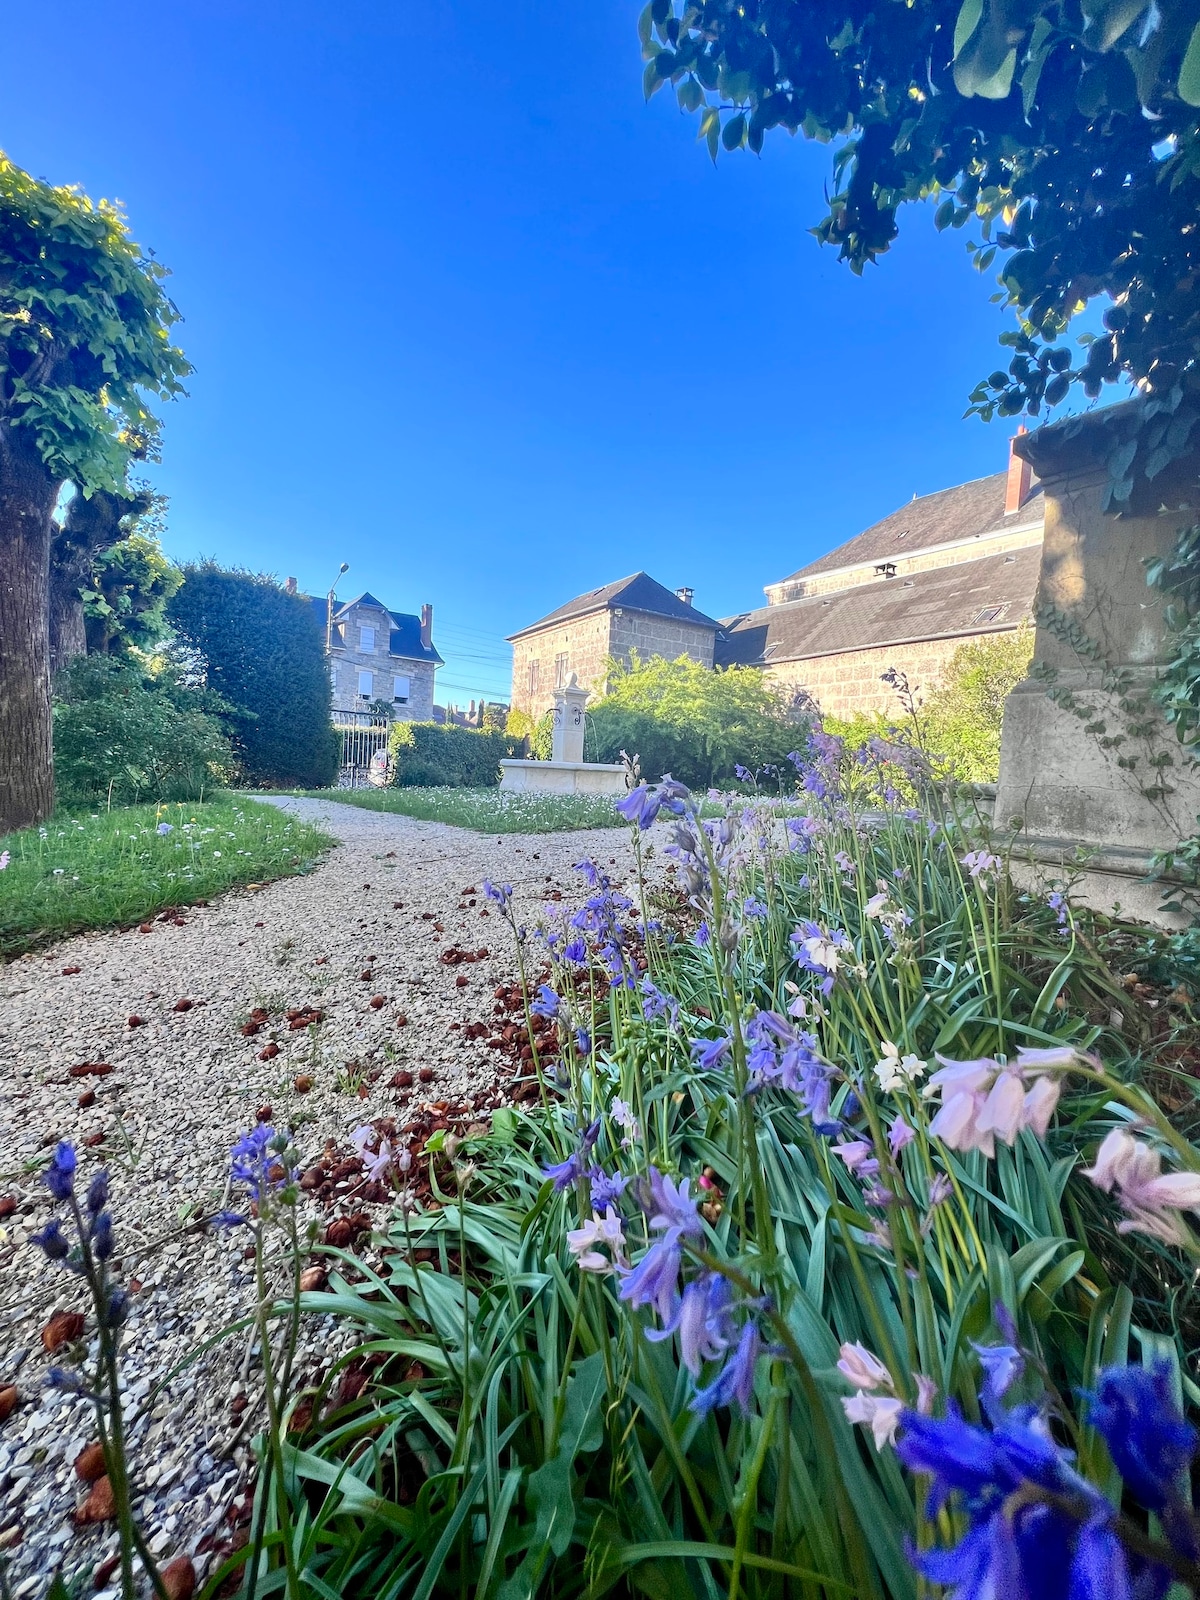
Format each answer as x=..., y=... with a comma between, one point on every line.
x=185, y=1080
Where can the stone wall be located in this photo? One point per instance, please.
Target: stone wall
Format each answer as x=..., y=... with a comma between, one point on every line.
x=850, y=682
x=948, y=555
x=587, y=643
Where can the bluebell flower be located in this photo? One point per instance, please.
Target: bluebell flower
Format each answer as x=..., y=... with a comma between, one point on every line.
x=97, y=1195
x=564, y=1173
x=102, y=1236
x=1134, y=1411
x=117, y=1309
x=702, y=1319
x=1002, y=1365
x=60, y=1174
x=670, y=1206
x=583, y=1042
x=702, y=935
x=606, y=1190
x=655, y=1279
x=742, y=774
x=1058, y=904
x=546, y=1003
x=754, y=908
x=640, y=805
x=52, y=1240
x=256, y=1163
x=657, y=1004
x=229, y=1219
x=501, y=894
x=708, y=1053
x=575, y=951
x=734, y=1384
x=591, y=873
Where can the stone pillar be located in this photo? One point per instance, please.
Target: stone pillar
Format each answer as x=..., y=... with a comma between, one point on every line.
x=1060, y=776
x=567, y=740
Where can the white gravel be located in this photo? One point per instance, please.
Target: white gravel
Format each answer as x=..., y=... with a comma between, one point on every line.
x=184, y=1086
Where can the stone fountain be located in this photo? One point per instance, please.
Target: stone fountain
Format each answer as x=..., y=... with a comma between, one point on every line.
x=566, y=772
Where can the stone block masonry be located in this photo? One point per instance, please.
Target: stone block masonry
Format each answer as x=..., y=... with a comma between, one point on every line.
x=583, y=645
x=851, y=681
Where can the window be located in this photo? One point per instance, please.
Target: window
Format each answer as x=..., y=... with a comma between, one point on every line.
x=400, y=690
x=366, y=638
x=366, y=684
x=535, y=674
x=560, y=669
x=989, y=614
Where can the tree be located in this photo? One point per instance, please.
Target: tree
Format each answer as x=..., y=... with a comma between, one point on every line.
x=84, y=341
x=963, y=716
x=1067, y=129
x=262, y=650
x=125, y=599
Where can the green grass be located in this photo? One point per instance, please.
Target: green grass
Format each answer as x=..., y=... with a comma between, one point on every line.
x=113, y=868
x=483, y=810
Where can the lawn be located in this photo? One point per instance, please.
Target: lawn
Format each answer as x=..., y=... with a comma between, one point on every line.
x=112, y=868
x=483, y=810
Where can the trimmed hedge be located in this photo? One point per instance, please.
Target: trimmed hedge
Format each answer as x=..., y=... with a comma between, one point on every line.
x=432, y=755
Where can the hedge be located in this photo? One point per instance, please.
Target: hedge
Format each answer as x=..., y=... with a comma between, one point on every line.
x=430, y=754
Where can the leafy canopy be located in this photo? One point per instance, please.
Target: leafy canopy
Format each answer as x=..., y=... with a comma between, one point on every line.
x=126, y=593
x=1067, y=129
x=84, y=331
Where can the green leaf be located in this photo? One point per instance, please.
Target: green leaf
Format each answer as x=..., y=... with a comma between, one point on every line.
x=1189, y=72
x=734, y=131
x=966, y=23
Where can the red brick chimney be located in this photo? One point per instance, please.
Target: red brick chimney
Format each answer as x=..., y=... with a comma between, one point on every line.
x=291, y=586
x=427, y=626
x=1020, y=475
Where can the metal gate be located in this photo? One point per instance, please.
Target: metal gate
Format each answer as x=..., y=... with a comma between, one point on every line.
x=363, y=736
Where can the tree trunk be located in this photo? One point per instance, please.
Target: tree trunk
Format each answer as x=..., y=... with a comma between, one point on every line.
x=27, y=497
x=68, y=637
x=92, y=525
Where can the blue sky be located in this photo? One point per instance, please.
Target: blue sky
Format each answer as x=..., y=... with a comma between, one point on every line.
x=468, y=314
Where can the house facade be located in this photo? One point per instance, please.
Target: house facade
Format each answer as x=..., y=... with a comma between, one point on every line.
x=947, y=568
x=379, y=655
x=634, y=614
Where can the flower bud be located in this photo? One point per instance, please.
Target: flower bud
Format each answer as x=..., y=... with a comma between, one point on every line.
x=102, y=1236
x=53, y=1241
x=97, y=1195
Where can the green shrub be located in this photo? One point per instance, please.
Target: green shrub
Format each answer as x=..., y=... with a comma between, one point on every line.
x=263, y=651
x=430, y=754
x=699, y=725
x=121, y=734
x=962, y=718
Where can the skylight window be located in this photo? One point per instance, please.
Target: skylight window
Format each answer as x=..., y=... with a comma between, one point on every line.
x=989, y=614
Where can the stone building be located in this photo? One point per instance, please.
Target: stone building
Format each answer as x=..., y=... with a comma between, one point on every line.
x=376, y=654
x=948, y=567
x=633, y=614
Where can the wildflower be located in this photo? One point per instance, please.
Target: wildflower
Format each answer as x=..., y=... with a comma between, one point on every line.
x=575, y=951
x=257, y=1161
x=864, y=1370
x=900, y=1136
x=500, y=894
x=1002, y=1365
x=5, y=858
x=1152, y=1198
x=624, y=1118
x=734, y=1384
x=893, y=1071
x=583, y=1042
x=702, y=1320
x=984, y=1100
x=60, y=1174
x=164, y=828
x=702, y=935
x=670, y=1206
x=102, y=1236
x=857, y=1155
x=940, y=1190
x=845, y=863
x=52, y=1240
x=1134, y=1410
x=546, y=1004
x=1058, y=904
x=819, y=951
x=657, y=1004
x=640, y=806
x=601, y=1230
x=708, y=1053
x=879, y=1412
x=655, y=1279
x=606, y=1191
x=876, y=905
x=979, y=862
x=565, y=1173
x=754, y=908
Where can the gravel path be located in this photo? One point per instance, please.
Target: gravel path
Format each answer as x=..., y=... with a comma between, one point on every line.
x=184, y=1083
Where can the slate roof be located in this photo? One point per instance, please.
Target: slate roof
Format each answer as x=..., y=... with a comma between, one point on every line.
x=942, y=603
x=640, y=592
x=969, y=510
x=403, y=640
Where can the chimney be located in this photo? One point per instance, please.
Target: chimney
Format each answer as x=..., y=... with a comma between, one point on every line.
x=685, y=594
x=1020, y=474
x=427, y=626
x=291, y=586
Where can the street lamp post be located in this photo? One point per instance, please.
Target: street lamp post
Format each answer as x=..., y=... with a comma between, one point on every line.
x=342, y=570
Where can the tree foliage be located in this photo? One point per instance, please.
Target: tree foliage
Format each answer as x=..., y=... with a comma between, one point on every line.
x=84, y=331
x=964, y=714
x=699, y=725
x=262, y=650
x=1066, y=130
x=125, y=598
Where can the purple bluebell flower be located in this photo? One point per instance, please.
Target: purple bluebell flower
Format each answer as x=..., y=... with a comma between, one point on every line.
x=708, y=1053
x=671, y=1206
x=546, y=1003
x=229, y=1219
x=1058, y=904
x=575, y=951
x=606, y=1189
x=1134, y=1411
x=734, y=1384
x=60, y=1174
x=655, y=1003
x=742, y=774
x=564, y=1173
x=117, y=1309
x=655, y=1279
x=900, y=1136
x=501, y=894
x=640, y=805
x=583, y=1042
x=1002, y=1365
x=702, y=935
x=702, y=1319
x=97, y=1195
x=754, y=908
x=52, y=1240
x=102, y=1236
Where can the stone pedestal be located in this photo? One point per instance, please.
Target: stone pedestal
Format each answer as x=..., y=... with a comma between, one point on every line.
x=1091, y=780
x=566, y=772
